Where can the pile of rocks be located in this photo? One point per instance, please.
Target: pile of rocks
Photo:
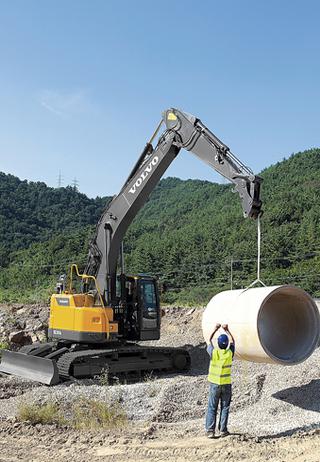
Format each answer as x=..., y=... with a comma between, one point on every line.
x=23, y=324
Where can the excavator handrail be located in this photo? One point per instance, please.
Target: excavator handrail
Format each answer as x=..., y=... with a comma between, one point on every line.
x=84, y=276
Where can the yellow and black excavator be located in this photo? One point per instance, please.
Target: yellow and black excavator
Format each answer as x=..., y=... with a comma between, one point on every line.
x=98, y=329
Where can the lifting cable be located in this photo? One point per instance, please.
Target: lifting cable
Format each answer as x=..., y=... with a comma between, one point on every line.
x=257, y=280
x=244, y=370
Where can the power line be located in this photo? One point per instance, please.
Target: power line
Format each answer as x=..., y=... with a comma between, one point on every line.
x=189, y=268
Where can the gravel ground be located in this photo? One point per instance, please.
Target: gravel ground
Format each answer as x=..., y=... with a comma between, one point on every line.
x=267, y=399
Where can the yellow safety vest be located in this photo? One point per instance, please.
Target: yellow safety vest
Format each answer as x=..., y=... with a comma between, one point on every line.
x=220, y=367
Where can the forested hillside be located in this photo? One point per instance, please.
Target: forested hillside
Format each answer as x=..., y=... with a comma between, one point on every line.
x=32, y=212
x=191, y=234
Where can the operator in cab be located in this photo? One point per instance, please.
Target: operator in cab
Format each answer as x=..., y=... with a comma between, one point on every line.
x=219, y=377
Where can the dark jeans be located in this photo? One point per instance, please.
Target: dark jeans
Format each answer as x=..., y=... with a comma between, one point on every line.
x=218, y=393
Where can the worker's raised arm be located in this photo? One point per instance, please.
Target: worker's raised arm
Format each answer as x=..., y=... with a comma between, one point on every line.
x=215, y=330
x=226, y=329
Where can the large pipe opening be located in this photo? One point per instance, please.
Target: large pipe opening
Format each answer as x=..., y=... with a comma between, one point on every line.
x=278, y=324
x=288, y=325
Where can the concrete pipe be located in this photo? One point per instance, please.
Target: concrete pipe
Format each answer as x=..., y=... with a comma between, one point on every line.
x=279, y=324
x=318, y=305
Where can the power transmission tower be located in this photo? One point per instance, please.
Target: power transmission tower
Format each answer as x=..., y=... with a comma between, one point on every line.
x=60, y=179
x=75, y=184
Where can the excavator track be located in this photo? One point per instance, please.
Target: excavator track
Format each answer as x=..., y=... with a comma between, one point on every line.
x=66, y=361
x=127, y=360
x=49, y=363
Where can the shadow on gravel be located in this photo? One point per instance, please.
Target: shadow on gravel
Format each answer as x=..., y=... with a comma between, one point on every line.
x=305, y=396
x=297, y=431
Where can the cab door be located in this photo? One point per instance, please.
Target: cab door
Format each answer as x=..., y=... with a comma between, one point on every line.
x=149, y=309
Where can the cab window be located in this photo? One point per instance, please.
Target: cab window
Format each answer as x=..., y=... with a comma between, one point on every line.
x=149, y=299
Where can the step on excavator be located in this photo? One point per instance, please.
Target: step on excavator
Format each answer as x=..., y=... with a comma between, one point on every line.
x=99, y=330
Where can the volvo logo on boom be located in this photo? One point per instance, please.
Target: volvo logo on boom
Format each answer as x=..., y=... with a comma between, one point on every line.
x=144, y=174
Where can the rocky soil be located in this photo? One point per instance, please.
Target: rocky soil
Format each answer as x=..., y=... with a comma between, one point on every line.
x=275, y=411
x=158, y=443
x=22, y=325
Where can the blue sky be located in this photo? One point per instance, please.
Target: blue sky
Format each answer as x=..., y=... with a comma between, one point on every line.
x=83, y=83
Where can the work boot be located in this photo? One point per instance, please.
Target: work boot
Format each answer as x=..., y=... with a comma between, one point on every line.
x=210, y=434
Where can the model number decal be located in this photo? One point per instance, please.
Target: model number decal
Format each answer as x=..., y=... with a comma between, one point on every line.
x=57, y=332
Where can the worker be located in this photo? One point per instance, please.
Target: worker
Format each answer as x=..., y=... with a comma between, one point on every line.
x=220, y=381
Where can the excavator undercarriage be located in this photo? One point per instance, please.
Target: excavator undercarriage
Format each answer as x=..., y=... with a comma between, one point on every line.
x=50, y=363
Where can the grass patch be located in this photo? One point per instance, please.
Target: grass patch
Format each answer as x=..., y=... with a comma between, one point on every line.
x=40, y=414
x=191, y=296
x=150, y=379
x=82, y=414
x=4, y=345
x=89, y=413
x=103, y=378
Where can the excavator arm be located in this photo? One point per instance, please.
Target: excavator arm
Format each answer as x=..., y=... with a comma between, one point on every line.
x=182, y=131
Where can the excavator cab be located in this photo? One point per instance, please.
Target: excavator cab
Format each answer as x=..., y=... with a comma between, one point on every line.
x=138, y=307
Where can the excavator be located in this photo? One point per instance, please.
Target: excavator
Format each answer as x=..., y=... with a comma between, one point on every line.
x=99, y=328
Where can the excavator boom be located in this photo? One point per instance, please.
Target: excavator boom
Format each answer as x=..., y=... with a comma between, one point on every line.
x=182, y=131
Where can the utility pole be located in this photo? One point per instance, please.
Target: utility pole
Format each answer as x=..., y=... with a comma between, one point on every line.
x=231, y=273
